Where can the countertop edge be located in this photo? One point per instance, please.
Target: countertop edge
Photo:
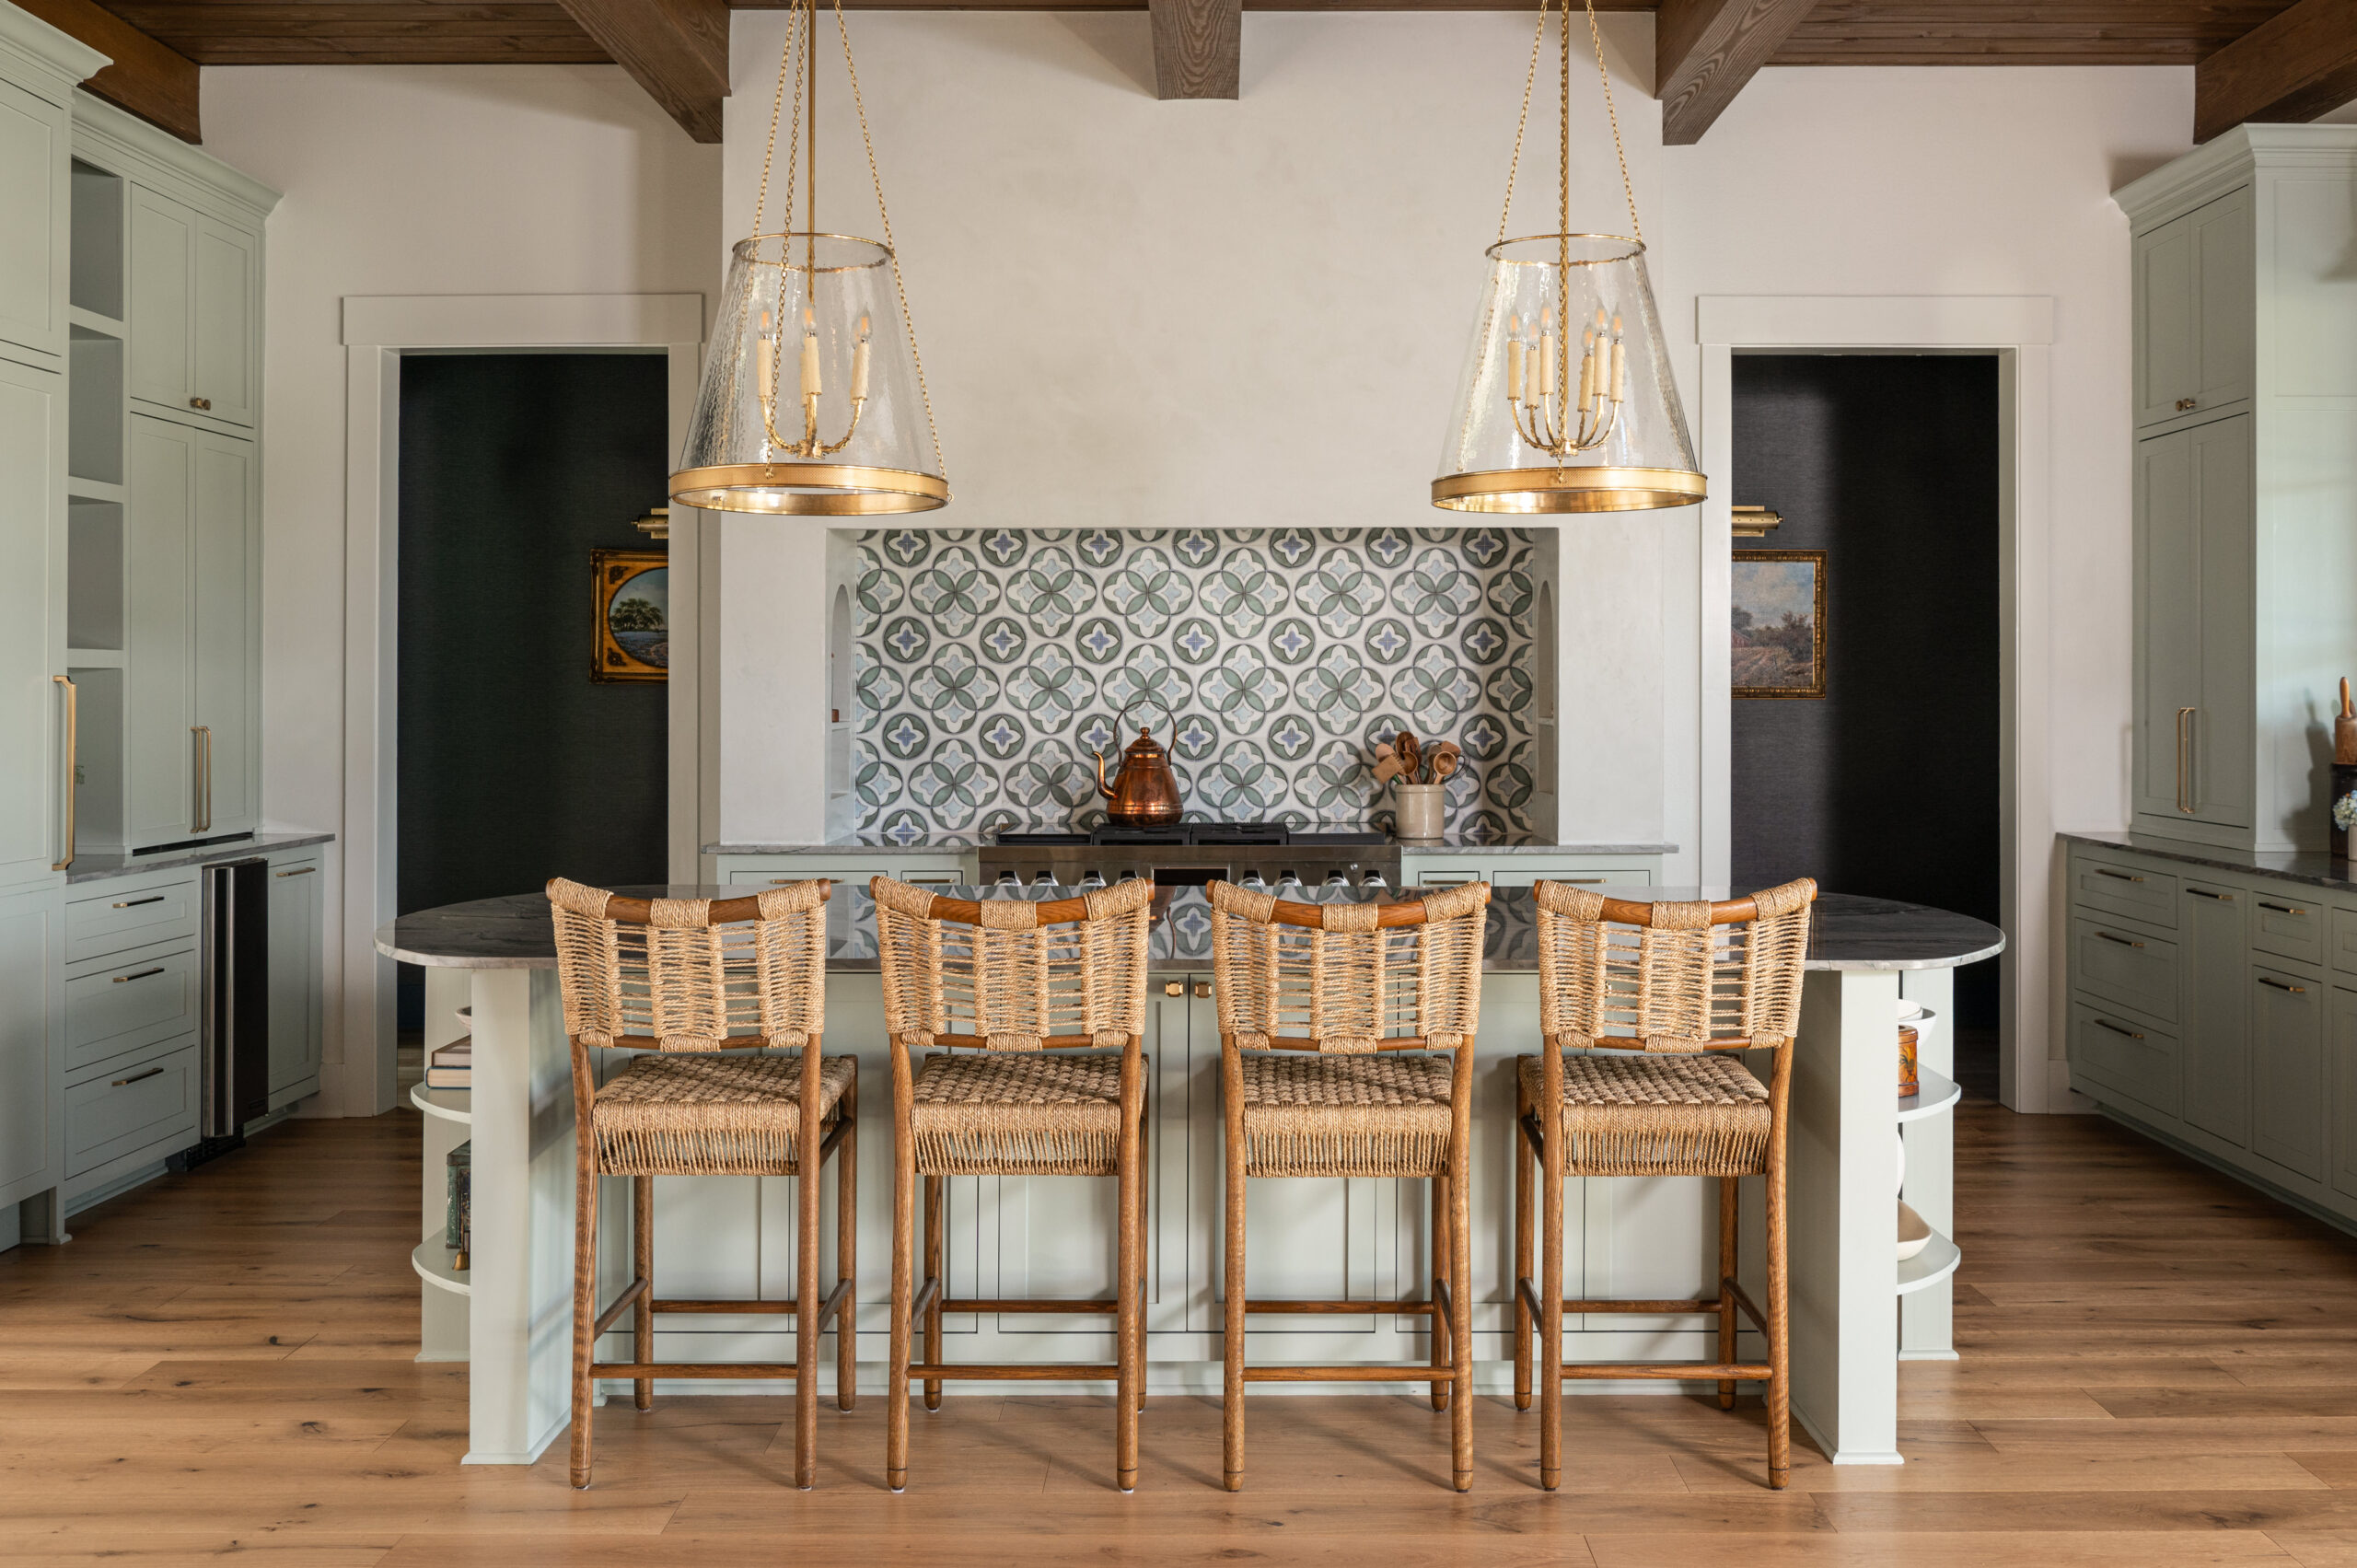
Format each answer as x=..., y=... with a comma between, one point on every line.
x=953, y=850
x=178, y=859
x=2311, y=867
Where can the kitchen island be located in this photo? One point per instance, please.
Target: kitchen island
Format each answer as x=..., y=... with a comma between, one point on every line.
x=1338, y=1239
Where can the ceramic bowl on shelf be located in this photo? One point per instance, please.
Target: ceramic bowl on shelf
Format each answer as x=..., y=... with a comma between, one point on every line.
x=1913, y=1234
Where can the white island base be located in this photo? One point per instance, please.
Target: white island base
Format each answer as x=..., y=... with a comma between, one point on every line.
x=1856, y=1310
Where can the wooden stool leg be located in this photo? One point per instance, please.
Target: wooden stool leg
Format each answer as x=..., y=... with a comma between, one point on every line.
x=1551, y=1284
x=936, y=1224
x=1524, y=1223
x=904, y=1212
x=1232, y=1281
x=847, y=1248
x=1145, y=1168
x=642, y=1317
x=1125, y=1293
x=808, y=1181
x=1730, y=1209
x=1461, y=1276
x=584, y=1303
x=1780, y=1386
x=1441, y=1253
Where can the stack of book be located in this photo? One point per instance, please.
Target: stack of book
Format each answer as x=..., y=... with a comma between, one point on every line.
x=451, y=1066
x=458, y=1221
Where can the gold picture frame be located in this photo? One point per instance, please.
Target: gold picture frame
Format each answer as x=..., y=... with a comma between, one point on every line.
x=631, y=621
x=1766, y=591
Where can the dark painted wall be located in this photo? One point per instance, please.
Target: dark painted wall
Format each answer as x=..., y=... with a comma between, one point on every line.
x=514, y=767
x=1888, y=785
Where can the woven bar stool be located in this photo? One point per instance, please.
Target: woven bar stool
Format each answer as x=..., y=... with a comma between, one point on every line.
x=1352, y=983
x=1026, y=988
x=1657, y=991
x=683, y=981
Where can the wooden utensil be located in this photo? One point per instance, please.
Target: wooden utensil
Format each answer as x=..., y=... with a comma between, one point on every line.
x=1405, y=749
x=2344, y=728
x=1444, y=761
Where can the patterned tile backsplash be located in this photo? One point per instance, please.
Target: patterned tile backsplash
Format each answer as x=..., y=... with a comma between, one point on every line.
x=991, y=662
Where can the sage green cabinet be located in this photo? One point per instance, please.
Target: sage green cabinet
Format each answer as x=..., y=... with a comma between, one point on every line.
x=32, y=1014
x=195, y=284
x=2287, y=1027
x=2342, y=1008
x=2194, y=319
x=32, y=614
x=296, y=1009
x=190, y=713
x=34, y=241
x=2217, y=1041
x=2194, y=639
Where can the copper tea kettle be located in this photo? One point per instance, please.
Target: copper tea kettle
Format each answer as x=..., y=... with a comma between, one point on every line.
x=1144, y=791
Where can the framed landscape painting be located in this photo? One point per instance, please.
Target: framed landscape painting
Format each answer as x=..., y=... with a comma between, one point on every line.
x=632, y=602
x=1778, y=604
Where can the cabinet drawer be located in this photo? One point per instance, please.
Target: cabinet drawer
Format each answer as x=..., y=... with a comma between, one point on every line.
x=2287, y=924
x=131, y=914
x=1513, y=876
x=146, y=1105
x=2124, y=1060
x=2344, y=940
x=2113, y=961
x=2125, y=888
x=138, y=1000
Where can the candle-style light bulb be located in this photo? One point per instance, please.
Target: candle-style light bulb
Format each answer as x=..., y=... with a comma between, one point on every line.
x=1620, y=363
x=811, y=383
x=1587, y=369
x=765, y=362
x=1513, y=360
x=859, y=363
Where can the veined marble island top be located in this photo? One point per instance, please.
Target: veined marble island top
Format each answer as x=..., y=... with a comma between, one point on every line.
x=1848, y=932
x=960, y=843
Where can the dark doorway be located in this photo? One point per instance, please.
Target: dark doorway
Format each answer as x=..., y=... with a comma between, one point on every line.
x=1888, y=785
x=513, y=765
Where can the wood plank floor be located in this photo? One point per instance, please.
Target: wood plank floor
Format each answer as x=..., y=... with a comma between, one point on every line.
x=2159, y=1368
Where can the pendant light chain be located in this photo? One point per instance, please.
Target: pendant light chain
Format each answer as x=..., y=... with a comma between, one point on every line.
x=1636, y=229
x=908, y=322
x=1522, y=120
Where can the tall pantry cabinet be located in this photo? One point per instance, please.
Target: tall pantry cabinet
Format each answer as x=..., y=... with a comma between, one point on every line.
x=131, y=278
x=2246, y=481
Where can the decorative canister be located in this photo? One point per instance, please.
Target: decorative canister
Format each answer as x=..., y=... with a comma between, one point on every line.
x=1416, y=812
x=2344, y=786
x=1909, y=1082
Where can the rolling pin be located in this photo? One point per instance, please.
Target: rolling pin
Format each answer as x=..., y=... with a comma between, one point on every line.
x=2344, y=728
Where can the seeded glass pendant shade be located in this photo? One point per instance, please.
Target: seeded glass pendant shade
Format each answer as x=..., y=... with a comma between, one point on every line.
x=1566, y=403
x=813, y=400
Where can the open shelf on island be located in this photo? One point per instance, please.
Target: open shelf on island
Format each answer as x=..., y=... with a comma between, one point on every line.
x=1936, y=1262
x=432, y=1262
x=1933, y=1093
x=450, y=1105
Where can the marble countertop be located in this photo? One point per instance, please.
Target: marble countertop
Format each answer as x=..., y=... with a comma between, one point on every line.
x=98, y=867
x=2313, y=867
x=1849, y=932
x=1455, y=844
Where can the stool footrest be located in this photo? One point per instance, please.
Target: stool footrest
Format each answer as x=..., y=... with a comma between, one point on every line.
x=952, y=1371
x=1423, y=1372
x=1699, y=1371
x=1336, y=1308
x=636, y=1369
x=606, y=1319
x=1026, y=1304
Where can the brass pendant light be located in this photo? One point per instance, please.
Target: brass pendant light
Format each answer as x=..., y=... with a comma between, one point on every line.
x=851, y=431
x=1532, y=431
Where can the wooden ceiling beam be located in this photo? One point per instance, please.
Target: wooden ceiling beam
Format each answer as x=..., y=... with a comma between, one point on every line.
x=676, y=49
x=1198, y=47
x=2294, y=67
x=149, y=79
x=1704, y=50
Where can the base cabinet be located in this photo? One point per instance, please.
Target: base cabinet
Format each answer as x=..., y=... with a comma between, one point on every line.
x=296, y=1003
x=2217, y=1011
x=2287, y=1024
x=33, y=1041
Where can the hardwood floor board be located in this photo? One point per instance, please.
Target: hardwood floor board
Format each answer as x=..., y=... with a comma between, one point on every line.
x=2332, y=1468
x=2005, y=1404
x=943, y=1542
x=2319, y=1549
x=2207, y=1404
x=2163, y=1435
x=1993, y=1370
x=2194, y=1509
x=2308, y=1369
x=144, y=1547
x=2031, y=1473
x=1986, y=1549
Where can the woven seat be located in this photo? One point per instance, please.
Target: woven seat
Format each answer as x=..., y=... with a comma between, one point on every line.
x=1346, y=1115
x=1655, y=1115
x=995, y=1114
x=715, y=1115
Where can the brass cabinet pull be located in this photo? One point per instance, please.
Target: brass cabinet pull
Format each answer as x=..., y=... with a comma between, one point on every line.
x=135, y=903
x=2117, y=875
x=2280, y=909
x=2123, y=941
x=73, y=740
x=2206, y=893
x=203, y=813
x=2108, y=1024
x=206, y=404
x=135, y=1077
x=2284, y=986
x=2184, y=755
x=2183, y=404
x=299, y=871
x=137, y=974
x=1203, y=988
x=1175, y=988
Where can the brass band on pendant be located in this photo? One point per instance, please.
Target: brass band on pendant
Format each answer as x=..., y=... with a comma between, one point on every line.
x=1572, y=489
x=816, y=489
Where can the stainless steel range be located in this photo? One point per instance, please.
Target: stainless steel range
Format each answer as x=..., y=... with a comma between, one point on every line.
x=1193, y=854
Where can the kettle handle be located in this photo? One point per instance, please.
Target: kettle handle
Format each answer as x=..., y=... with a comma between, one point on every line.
x=1121, y=721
